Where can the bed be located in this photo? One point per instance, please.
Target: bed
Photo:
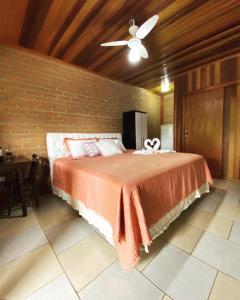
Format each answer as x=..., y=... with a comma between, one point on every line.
x=131, y=199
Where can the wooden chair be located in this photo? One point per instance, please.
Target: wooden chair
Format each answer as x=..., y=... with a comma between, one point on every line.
x=29, y=182
x=9, y=182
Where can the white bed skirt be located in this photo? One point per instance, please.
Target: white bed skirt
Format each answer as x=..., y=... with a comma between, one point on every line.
x=105, y=229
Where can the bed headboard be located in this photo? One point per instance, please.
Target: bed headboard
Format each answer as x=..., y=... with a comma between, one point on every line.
x=56, y=147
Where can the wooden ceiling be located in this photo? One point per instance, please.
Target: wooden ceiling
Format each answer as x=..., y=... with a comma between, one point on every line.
x=187, y=34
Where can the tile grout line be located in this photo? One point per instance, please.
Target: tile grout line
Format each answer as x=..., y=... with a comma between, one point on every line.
x=212, y=285
x=95, y=277
x=141, y=272
x=46, y=229
x=229, y=234
x=148, y=279
x=95, y=232
x=41, y=287
x=58, y=262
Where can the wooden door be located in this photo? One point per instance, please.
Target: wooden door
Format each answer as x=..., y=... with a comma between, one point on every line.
x=203, y=131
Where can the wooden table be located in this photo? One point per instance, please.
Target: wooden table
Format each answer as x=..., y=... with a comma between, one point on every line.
x=17, y=166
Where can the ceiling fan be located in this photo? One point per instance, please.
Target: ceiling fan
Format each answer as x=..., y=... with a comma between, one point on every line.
x=137, y=49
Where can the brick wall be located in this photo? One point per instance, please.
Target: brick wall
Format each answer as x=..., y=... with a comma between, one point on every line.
x=40, y=94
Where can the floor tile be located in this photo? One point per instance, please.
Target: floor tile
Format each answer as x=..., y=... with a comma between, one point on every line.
x=212, y=223
x=116, y=284
x=232, y=197
x=28, y=273
x=58, y=289
x=217, y=193
x=9, y=226
x=225, y=288
x=54, y=211
x=220, y=183
x=84, y=261
x=21, y=243
x=180, y=275
x=182, y=235
x=166, y=297
x=154, y=249
x=67, y=234
x=209, y=203
x=235, y=232
x=222, y=254
x=229, y=211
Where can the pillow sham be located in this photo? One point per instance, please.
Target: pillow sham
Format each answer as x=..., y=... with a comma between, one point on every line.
x=108, y=148
x=91, y=149
x=117, y=142
x=120, y=145
x=75, y=146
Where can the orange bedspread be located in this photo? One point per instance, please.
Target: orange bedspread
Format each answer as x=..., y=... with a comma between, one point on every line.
x=132, y=192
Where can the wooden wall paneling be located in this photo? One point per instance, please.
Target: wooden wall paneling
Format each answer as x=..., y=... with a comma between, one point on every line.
x=221, y=74
x=212, y=74
x=231, y=153
x=198, y=78
x=237, y=136
x=238, y=67
x=180, y=89
x=208, y=76
x=203, y=82
x=228, y=69
x=189, y=81
x=217, y=73
x=194, y=80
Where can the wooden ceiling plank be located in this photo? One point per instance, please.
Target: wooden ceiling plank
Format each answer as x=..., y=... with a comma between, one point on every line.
x=222, y=38
x=36, y=13
x=193, y=19
x=109, y=71
x=57, y=14
x=71, y=16
x=76, y=23
x=140, y=10
x=12, y=15
x=185, y=51
x=109, y=53
x=93, y=29
x=116, y=31
x=185, y=33
x=195, y=56
x=180, y=15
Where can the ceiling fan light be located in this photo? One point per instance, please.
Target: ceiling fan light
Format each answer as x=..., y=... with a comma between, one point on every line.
x=134, y=55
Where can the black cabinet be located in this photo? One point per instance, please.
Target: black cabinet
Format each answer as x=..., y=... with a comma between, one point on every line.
x=134, y=129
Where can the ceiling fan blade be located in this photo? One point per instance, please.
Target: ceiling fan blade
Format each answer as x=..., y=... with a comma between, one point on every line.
x=146, y=27
x=142, y=51
x=116, y=43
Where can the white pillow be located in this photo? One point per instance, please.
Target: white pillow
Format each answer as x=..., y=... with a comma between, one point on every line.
x=117, y=142
x=76, y=147
x=120, y=145
x=108, y=148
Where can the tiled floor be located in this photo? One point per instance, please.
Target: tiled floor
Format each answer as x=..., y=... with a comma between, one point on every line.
x=55, y=255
